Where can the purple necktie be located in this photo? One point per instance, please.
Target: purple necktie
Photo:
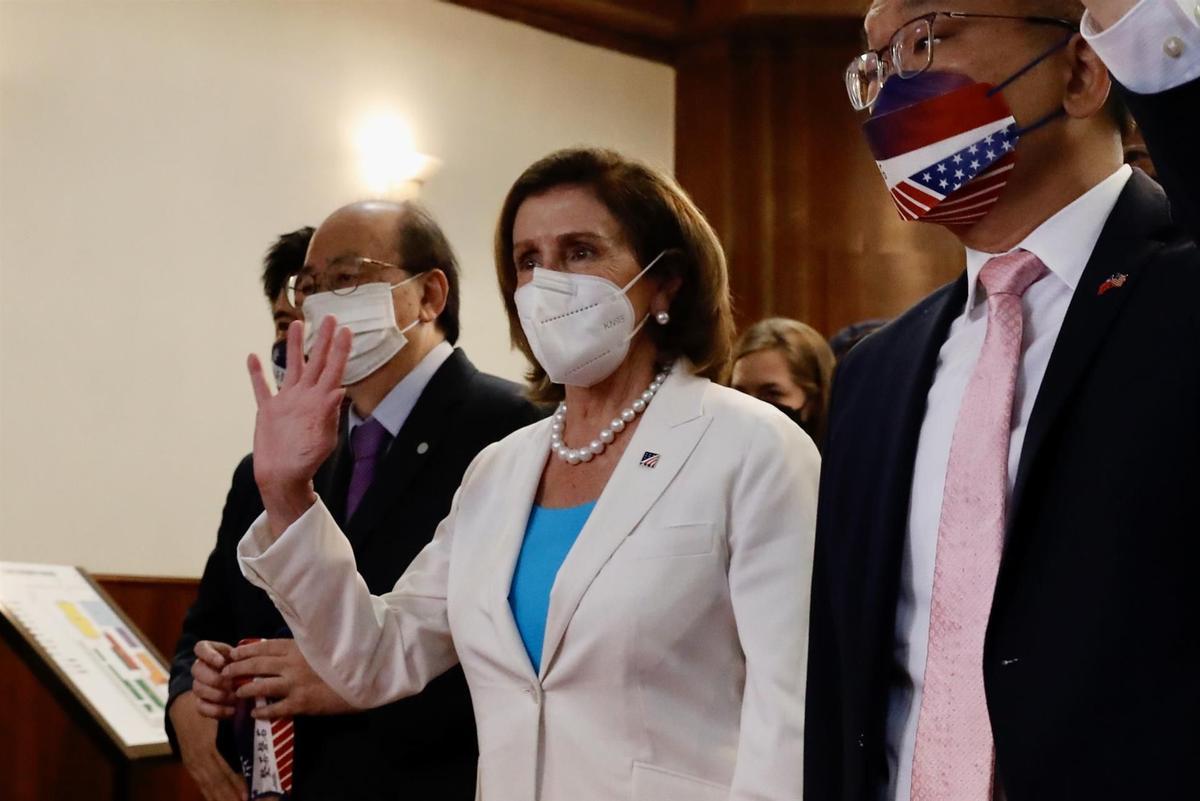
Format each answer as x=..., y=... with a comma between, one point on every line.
x=954, y=756
x=367, y=441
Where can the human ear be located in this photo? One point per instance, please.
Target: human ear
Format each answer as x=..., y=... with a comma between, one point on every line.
x=436, y=292
x=1088, y=84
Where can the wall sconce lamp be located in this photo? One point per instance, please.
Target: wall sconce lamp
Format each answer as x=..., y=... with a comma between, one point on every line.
x=389, y=163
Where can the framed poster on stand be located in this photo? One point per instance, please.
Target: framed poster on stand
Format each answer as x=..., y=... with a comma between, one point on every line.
x=96, y=662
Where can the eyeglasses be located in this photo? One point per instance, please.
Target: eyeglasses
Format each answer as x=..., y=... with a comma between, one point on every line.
x=341, y=277
x=910, y=52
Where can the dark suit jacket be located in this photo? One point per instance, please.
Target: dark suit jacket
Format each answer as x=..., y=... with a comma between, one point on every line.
x=1092, y=657
x=418, y=748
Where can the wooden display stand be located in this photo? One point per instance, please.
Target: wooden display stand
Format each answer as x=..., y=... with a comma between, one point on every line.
x=65, y=731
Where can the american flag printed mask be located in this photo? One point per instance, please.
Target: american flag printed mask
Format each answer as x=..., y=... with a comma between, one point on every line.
x=945, y=146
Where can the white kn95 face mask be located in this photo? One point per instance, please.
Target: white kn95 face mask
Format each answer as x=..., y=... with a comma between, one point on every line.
x=578, y=326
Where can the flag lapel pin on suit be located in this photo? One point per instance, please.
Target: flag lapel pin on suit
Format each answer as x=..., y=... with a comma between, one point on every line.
x=649, y=460
x=1115, y=282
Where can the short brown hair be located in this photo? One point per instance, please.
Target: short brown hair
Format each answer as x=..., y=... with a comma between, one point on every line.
x=809, y=359
x=656, y=216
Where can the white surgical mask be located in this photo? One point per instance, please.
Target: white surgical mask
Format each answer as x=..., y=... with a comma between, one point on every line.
x=579, y=326
x=371, y=318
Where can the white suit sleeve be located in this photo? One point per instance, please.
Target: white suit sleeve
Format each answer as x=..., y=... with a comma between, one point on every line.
x=1153, y=48
x=369, y=649
x=773, y=522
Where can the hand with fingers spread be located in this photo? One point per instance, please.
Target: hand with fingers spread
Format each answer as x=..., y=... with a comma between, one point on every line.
x=282, y=675
x=296, y=428
x=213, y=691
x=197, y=736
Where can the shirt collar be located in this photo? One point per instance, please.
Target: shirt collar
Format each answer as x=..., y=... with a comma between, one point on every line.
x=1065, y=242
x=396, y=406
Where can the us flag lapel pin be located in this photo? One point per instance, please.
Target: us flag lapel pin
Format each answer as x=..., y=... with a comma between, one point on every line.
x=1115, y=282
x=649, y=460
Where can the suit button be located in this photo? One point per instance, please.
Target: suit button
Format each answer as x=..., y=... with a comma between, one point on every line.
x=1174, y=47
x=422, y=448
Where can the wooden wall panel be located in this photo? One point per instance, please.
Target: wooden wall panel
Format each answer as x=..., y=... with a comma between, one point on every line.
x=47, y=754
x=771, y=151
x=767, y=144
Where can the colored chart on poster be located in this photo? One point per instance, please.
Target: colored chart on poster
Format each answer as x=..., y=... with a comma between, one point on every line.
x=76, y=629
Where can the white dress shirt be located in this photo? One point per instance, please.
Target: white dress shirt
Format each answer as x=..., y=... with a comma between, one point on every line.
x=398, y=404
x=1153, y=48
x=1064, y=243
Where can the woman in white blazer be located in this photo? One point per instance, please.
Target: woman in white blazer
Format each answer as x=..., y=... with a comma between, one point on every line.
x=626, y=583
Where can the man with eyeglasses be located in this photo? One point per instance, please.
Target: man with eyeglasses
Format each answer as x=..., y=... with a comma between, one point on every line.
x=1004, y=598
x=417, y=413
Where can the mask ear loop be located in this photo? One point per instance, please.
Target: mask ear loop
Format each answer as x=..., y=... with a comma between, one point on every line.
x=1031, y=65
x=645, y=270
x=1052, y=116
x=629, y=286
x=394, y=287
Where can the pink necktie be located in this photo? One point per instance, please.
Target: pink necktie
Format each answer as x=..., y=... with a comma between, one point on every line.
x=954, y=755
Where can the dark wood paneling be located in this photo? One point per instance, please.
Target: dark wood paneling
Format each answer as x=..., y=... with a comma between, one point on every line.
x=648, y=30
x=656, y=29
x=768, y=146
x=48, y=754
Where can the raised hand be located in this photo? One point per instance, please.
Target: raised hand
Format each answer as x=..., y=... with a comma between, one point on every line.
x=282, y=675
x=296, y=429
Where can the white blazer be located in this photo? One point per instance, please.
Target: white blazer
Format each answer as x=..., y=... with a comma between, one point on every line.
x=677, y=638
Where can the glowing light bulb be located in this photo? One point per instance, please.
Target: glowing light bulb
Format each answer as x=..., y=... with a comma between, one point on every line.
x=388, y=159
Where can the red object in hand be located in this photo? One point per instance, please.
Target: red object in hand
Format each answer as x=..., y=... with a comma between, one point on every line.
x=242, y=681
x=269, y=765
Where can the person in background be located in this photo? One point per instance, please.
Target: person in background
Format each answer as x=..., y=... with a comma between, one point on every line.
x=625, y=584
x=1136, y=154
x=844, y=340
x=787, y=364
x=213, y=762
x=418, y=412
x=1005, y=602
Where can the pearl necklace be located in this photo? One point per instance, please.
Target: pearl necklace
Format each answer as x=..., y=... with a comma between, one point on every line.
x=608, y=433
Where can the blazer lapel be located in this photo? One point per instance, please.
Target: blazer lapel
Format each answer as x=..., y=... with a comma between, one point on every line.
x=522, y=477
x=419, y=437
x=670, y=429
x=904, y=373
x=1125, y=245
x=333, y=477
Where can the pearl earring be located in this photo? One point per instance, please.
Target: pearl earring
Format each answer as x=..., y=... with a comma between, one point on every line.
x=662, y=318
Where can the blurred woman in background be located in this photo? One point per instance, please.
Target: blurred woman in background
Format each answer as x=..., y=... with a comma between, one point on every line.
x=789, y=365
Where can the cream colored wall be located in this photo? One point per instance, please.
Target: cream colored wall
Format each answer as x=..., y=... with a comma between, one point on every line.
x=150, y=151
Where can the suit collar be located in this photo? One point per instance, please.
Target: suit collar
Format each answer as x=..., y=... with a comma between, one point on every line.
x=397, y=405
x=521, y=472
x=417, y=441
x=1065, y=241
x=671, y=427
x=896, y=363
x=1130, y=238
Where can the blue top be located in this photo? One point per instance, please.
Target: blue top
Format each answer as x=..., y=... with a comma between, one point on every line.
x=549, y=535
